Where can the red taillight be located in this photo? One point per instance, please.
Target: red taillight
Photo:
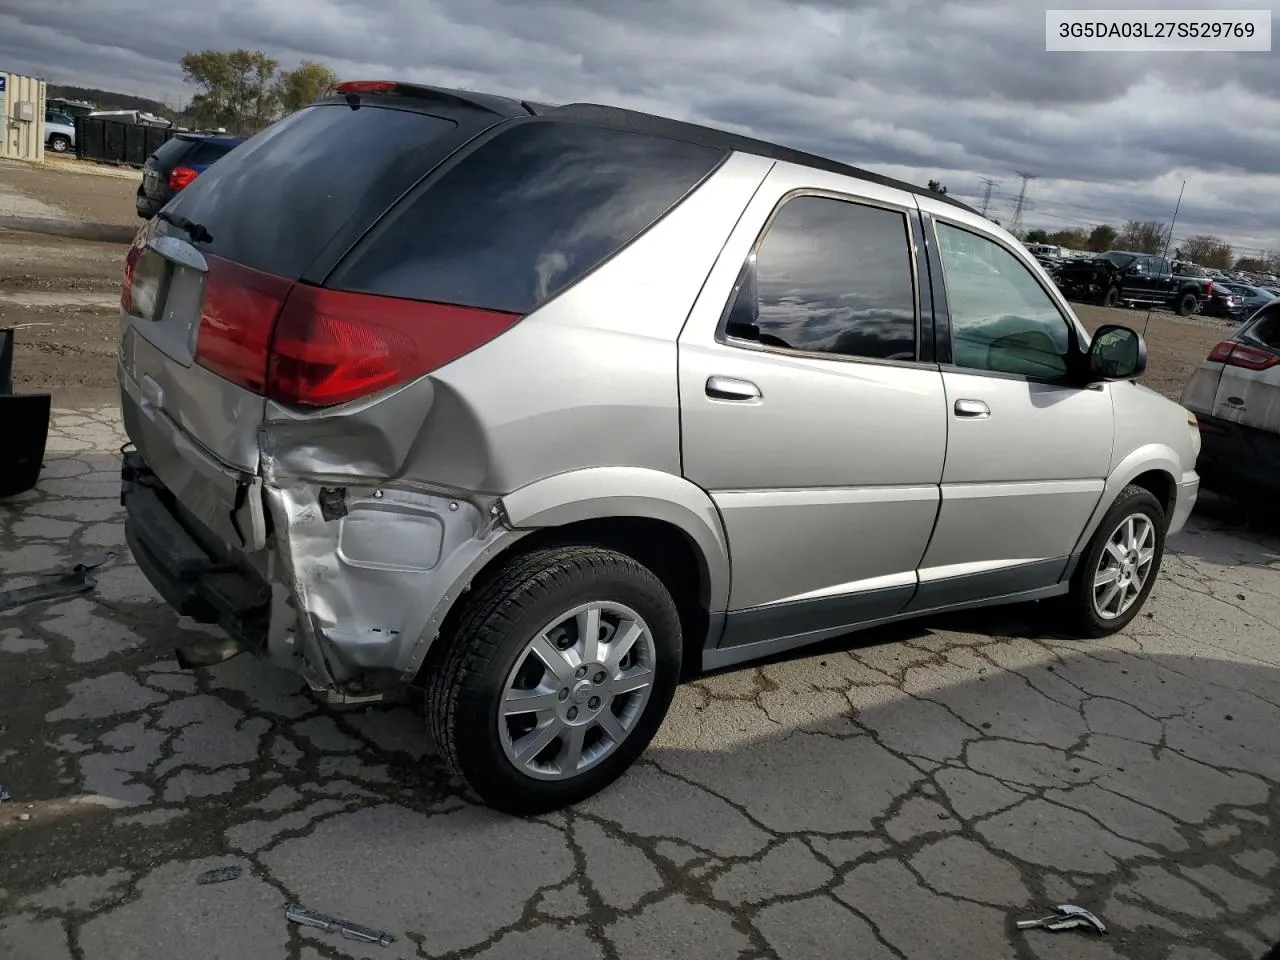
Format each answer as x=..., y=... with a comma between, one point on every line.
x=1208, y=289
x=240, y=310
x=130, y=263
x=180, y=177
x=1237, y=354
x=365, y=86
x=331, y=347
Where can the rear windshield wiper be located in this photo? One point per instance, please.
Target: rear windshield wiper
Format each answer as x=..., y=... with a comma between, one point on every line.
x=196, y=231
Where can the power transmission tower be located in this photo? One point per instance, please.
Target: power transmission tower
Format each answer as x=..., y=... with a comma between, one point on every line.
x=1016, y=226
x=986, y=194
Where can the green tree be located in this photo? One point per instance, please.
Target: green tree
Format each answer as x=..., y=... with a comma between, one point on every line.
x=1073, y=239
x=1036, y=236
x=935, y=186
x=1143, y=236
x=303, y=85
x=236, y=88
x=1102, y=238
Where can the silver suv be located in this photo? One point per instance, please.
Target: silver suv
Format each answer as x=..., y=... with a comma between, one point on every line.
x=534, y=407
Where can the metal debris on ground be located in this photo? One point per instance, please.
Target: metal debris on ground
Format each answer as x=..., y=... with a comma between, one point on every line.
x=61, y=581
x=351, y=931
x=1068, y=917
x=219, y=875
x=4, y=795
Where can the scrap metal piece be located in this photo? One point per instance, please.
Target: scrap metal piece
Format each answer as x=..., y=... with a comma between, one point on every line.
x=219, y=875
x=62, y=581
x=26, y=427
x=351, y=931
x=1068, y=917
x=4, y=795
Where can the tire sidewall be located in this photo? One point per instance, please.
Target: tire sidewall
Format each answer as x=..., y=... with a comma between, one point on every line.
x=1131, y=501
x=1111, y=298
x=59, y=145
x=480, y=753
x=1183, y=308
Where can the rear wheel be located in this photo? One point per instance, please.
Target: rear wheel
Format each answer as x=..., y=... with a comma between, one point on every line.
x=1187, y=305
x=557, y=675
x=59, y=143
x=1120, y=565
x=1111, y=298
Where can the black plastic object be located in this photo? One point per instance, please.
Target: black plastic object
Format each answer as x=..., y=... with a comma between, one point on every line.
x=25, y=430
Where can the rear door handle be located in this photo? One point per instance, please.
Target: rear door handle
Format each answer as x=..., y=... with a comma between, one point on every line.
x=972, y=409
x=731, y=388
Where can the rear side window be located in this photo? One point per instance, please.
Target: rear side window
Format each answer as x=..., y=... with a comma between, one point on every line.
x=274, y=202
x=525, y=215
x=1265, y=328
x=830, y=276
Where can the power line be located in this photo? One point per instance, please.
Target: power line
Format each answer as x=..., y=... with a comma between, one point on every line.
x=1016, y=226
x=986, y=195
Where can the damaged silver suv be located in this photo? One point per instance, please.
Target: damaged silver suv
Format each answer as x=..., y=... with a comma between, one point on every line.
x=534, y=407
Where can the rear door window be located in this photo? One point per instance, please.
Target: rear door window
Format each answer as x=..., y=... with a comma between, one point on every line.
x=207, y=151
x=526, y=214
x=274, y=202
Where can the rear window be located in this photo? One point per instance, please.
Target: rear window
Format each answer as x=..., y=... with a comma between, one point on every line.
x=525, y=215
x=207, y=151
x=169, y=151
x=274, y=202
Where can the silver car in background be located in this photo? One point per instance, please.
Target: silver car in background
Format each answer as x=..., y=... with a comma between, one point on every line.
x=533, y=407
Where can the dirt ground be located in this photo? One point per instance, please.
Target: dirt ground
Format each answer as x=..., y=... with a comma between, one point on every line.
x=62, y=294
x=61, y=191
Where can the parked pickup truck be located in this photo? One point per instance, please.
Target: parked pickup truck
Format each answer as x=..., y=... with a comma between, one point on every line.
x=1119, y=276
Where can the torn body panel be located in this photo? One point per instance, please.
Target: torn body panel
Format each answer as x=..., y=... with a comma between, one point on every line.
x=356, y=590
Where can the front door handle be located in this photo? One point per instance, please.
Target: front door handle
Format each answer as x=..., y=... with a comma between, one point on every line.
x=731, y=388
x=972, y=409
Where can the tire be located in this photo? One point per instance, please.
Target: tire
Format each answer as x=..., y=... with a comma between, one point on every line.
x=1111, y=298
x=488, y=653
x=1187, y=305
x=1083, y=610
x=59, y=144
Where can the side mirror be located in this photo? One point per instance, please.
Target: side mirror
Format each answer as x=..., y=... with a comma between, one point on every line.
x=1117, y=353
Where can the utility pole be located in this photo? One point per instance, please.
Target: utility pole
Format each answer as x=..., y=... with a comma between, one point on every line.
x=986, y=194
x=1016, y=226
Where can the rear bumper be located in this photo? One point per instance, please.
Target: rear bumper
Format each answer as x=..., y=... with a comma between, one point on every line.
x=147, y=206
x=1238, y=460
x=181, y=560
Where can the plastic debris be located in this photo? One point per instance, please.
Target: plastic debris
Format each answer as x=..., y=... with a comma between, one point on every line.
x=296, y=913
x=219, y=875
x=24, y=817
x=61, y=581
x=4, y=795
x=1068, y=917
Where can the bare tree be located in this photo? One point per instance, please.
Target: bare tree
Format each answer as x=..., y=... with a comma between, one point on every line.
x=1143, y=236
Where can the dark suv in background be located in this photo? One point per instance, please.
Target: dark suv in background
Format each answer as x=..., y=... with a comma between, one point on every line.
x=175, y=164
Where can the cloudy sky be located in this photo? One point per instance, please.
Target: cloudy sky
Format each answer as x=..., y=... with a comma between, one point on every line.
x=913, y=89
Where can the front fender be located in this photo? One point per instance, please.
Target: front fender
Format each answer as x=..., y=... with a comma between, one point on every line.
x=599, y=493
x=1152, y=456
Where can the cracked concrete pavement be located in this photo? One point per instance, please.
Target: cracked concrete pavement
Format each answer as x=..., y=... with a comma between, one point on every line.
x=904, y=793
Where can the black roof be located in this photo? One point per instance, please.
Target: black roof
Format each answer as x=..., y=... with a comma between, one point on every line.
x=662, y=127
x=711, y=137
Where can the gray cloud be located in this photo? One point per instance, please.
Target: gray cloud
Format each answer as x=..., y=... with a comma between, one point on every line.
x=916, y=88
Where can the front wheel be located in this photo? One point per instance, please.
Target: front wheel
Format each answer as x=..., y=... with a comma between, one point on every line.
x=59, y=144
x=1120, y=565
x=557, y=675
x=1111, y=298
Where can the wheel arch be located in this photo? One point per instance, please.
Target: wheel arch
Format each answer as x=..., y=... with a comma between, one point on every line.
x=1155, y=467
x=663, y=521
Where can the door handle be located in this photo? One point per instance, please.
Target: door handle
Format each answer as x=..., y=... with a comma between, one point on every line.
x=731, y=388
x=972, y=409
